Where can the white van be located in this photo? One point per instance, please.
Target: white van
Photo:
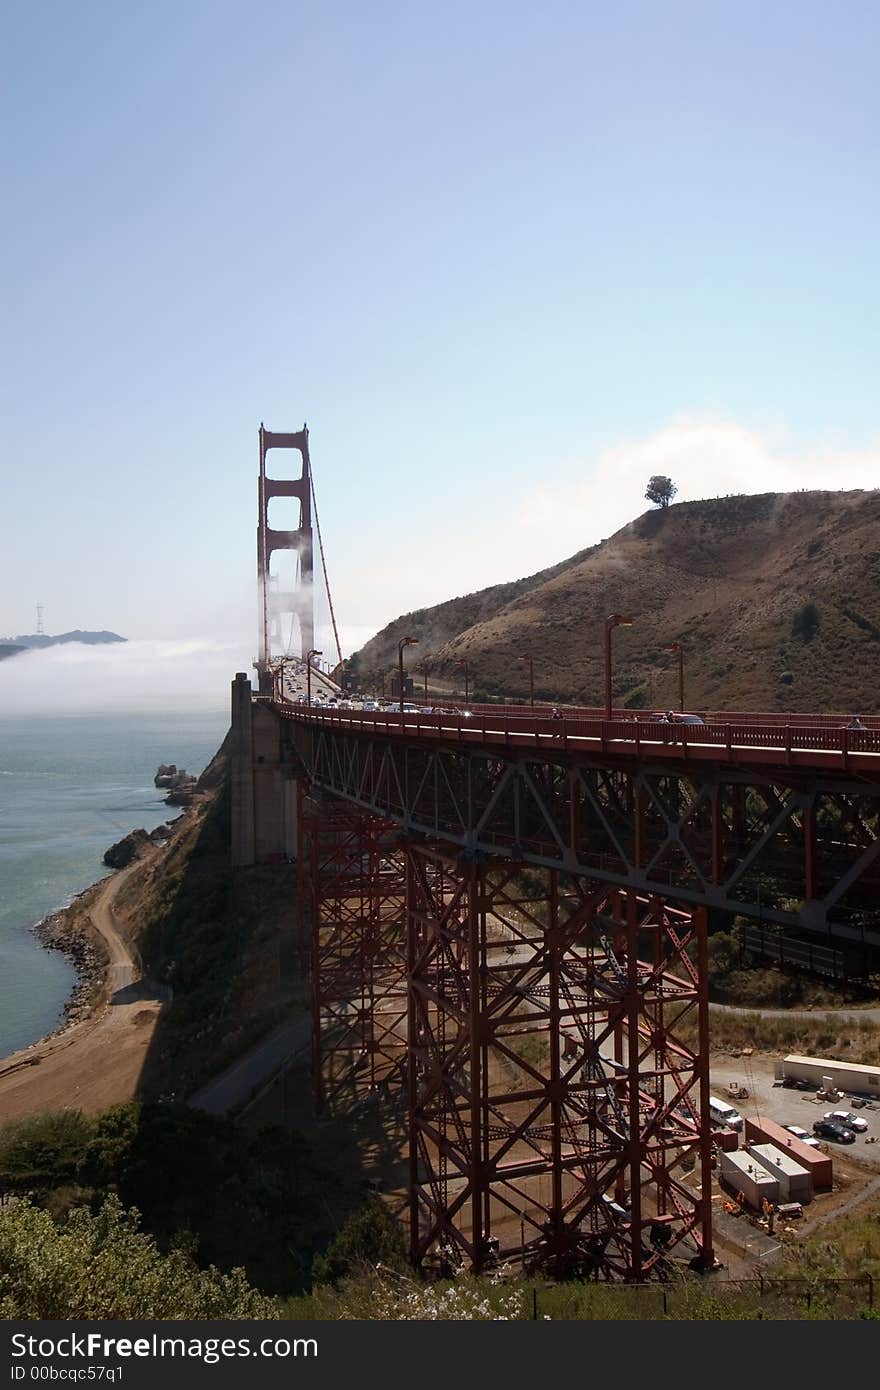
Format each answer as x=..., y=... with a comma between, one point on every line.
x=723, y=1116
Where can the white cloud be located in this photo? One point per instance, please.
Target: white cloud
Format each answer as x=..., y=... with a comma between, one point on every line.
x=184, y=674
x=582, y=501
x=703, y=458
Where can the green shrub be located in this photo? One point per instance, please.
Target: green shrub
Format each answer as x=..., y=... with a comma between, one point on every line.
x=43, y=1151
x=104, y=1266
x=805, y=623
x=369, y=1238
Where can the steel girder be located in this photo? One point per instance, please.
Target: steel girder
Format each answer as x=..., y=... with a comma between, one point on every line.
x=554, y=1100
x=798, y=849
x=351, y=901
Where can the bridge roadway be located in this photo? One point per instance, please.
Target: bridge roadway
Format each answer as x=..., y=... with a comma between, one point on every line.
x=767, y=740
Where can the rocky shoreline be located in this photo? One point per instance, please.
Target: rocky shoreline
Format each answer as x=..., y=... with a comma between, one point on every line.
x=62, y=930
x=57, y=933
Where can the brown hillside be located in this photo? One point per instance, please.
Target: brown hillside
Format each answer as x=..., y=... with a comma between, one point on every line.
x=775, y=597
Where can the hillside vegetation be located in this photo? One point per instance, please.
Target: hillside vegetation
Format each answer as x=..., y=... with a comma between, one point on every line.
x=776, y=599
x=224, y=941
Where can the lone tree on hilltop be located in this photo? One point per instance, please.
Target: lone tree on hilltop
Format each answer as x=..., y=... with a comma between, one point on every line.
x=660, y=490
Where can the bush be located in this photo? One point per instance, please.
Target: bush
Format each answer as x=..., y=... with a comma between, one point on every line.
x=264, y=1201
x=43, y=1151
x=369, y=1238
x=723, y=955
x=104, y=1266
x=636, y=699
x=805, y=623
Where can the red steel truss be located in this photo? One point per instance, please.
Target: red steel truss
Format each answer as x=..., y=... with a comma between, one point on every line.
x=351, y=905
x=794, y=849
x=558, y=1058
x=554, y=1090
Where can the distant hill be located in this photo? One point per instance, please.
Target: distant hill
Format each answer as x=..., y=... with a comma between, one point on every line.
x=9, y=649
x=40, y=639
x=775, y=597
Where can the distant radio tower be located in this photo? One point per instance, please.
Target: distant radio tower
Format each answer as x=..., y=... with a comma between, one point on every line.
x=40, y=629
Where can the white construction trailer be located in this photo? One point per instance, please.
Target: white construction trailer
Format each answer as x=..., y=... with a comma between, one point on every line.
x=741, y=1173
x=795, y=1183
x=847, y=1076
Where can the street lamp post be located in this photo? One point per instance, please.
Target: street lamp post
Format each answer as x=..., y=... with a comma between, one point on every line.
x=309, y=655
x=404, y=642
x=464, y=667
x=531, y=662
x=677, y=647
x=614, y=620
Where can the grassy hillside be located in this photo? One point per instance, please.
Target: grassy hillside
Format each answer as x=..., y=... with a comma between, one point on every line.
x=776, y=599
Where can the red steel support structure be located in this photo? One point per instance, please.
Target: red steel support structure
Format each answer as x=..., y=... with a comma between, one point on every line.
x=351, y=886
x=788, y=836
x=295, y=602
x=558, y=1051
x=555, y=1003
x=557, y=1069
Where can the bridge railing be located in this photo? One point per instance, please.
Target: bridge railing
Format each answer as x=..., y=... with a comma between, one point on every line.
x=519, y=726
x=736, y=718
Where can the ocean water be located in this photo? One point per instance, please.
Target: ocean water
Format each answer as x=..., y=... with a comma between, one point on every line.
x=69, y=787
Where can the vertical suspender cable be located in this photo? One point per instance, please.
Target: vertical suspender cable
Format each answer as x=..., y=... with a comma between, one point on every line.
x=324, y=568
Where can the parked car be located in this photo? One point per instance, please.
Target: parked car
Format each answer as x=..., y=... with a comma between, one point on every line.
x=802, y=1134
x=832, y=1129
x=846, y=1117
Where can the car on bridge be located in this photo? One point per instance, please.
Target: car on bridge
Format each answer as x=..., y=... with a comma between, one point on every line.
x=669, y=717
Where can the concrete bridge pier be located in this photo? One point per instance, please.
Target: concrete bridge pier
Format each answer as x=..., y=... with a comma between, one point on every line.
x=262, y=782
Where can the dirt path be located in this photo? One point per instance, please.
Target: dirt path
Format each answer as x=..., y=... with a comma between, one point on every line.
x=98, y=1061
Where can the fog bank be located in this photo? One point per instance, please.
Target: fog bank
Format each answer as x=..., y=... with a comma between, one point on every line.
x=142, y=675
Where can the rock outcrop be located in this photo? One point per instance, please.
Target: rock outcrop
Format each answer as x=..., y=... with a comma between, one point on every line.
x=182, y=792
x=126, y=849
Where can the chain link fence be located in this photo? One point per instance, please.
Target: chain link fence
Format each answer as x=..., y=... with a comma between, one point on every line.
x=756, y=1298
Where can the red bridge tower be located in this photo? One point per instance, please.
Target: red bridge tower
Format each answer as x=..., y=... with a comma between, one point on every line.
x=287, y=593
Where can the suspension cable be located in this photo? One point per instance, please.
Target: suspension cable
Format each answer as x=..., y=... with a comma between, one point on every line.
x=324, y=567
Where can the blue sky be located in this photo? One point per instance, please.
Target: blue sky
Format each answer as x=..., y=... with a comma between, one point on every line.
x=502, y=258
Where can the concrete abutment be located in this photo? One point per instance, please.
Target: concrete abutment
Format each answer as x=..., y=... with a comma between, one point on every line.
x=262, y=782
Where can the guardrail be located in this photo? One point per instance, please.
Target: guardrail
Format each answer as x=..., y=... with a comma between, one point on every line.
x=520, y=727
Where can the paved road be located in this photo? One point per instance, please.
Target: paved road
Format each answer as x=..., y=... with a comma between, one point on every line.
x=268, y=1059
